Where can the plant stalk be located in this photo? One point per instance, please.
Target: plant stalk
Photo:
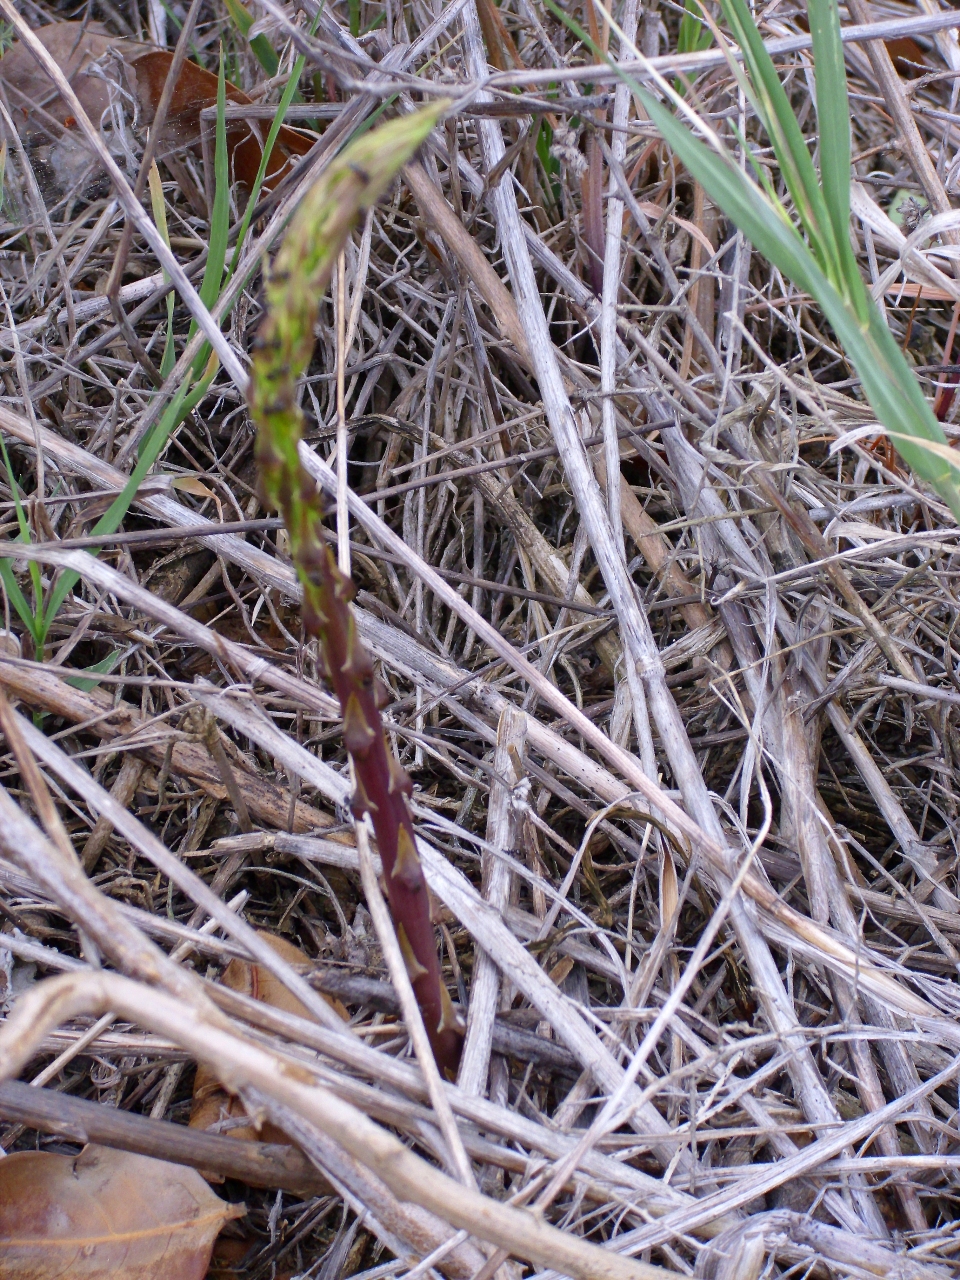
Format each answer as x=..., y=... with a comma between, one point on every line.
x=282, y=352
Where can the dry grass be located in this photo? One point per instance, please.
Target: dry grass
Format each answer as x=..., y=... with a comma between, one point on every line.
x=791, y=612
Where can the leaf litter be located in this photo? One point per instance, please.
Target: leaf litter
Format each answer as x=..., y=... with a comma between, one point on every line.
x=704, y=1079
x=104, y=1213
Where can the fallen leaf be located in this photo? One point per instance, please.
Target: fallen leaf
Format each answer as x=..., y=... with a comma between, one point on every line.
x=111, y=74
x=31, y=97
x=213, y=1106
x=908, y=57
x=105, y=1214
x=197, y=90
x=255, y=981
x=190, y=484
x=90, y=58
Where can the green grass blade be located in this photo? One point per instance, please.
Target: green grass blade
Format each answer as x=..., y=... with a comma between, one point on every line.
x=22, y=523
x=213, y=271
x=17, y=598
x=834, y=281
x=774, y=110
x=160, y=218
x=833, y=111
x=196, y=385
x=216, y=256
x=33, y=619
x=220, y=216
x=833, y=121
x=767, y=227
x=265, y=54
x=885, y=375
x=219, y=223
x=887, y=379
x=183, y=403
x=772, y=106
x=290, y=92
x=262, y=49
x=692, y=37
x=379, y=20
x=103, y=667
x=891, y=387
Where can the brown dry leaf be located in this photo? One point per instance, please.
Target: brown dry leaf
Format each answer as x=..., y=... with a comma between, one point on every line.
x=91, y=59
x=31, y=98
x=190, y=484
x=197, y=90
x=253, y=980
x=105, y=1213
x=108, y=73
x=213, y=1106
x=907, y=55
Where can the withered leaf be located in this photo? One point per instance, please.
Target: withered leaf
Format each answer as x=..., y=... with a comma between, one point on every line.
x=253, y=980
x=197, y=90
x=30, y=95
x=213, y=1106
x=118, y=79
x=104, y=1214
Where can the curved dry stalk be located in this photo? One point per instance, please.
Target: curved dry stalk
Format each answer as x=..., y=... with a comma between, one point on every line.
x=90, y=910
x=140, y=837
x=242, y=1065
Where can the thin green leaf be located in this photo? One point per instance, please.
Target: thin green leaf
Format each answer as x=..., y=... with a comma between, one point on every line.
x=209, y=288
x=288, y=95
x=833, y=121
x=103, y=667
x=694, y=35
x=32, y=617
x=204, y=369
x=739, y=198
x=220, y=217
x=23, y=524
x=16, y=596
x=261, y=46
x=887, y=379
x=219, y=223
x=180, y=406
x=379, y=20
x=774, y=110
x=265, y=54
x=770, y=107
x=833, y=111
x=160, y=218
